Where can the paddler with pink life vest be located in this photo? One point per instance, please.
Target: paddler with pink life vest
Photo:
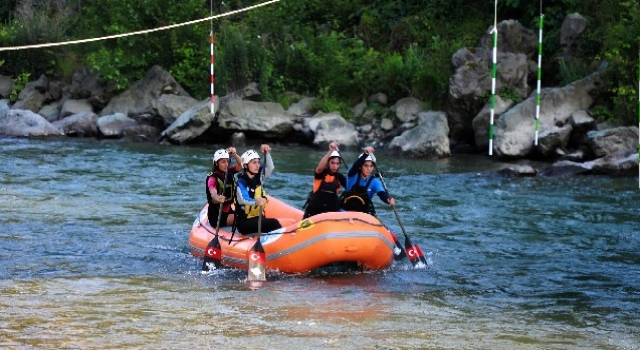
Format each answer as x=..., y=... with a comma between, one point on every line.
x=221, y=192
x=362, y=185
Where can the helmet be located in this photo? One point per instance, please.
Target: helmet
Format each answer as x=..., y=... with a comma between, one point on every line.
x=248, y=156
x=335, y=154
x=221, y=153
x=370, y=157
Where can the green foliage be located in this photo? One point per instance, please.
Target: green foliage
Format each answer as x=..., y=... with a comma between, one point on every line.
x=602, y=113
x=240, y=58
x=66, y=63
x=182, y=51
x=508, y=93
x=572, y=70
x=37, y=21
x=620, y=51
x=192, y=69
x=342, y=51
x=327, y=103
x=7, y=8
x=285, y=100
x=18, y=85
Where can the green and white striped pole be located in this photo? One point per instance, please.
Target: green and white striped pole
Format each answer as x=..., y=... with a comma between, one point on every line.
x=539, y=77
x=494, y=31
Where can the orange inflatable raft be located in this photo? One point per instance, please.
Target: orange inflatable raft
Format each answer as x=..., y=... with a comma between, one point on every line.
x=301, y=246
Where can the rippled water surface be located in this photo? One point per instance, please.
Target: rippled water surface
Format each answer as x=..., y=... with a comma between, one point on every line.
x=94, y=255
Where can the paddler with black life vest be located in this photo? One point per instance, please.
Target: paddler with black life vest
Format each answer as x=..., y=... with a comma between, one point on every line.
x=326, y=184
x=362, y=185
x=251, y=198
x=216, y=194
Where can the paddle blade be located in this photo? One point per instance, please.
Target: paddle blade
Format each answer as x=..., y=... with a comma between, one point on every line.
x=415, y=254
x=257, y=263
x=213, y=255
x=398, y=252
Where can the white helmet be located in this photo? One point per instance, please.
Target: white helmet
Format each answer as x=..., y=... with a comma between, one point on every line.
x=335, y=154
x=221, y=153
x=370, y=157
x=248, y=156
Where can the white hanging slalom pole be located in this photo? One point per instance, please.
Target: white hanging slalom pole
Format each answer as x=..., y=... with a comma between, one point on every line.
x=539, y=77
x=213, y=58
x=494, y=31
x=213, y=78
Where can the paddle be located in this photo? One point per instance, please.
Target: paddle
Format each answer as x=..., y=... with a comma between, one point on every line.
x=213, y=254
x=413, y=251
x=342, y=159
x=257, y=259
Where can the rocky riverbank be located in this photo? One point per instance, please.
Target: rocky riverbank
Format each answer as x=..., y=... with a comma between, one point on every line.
x=157, y=109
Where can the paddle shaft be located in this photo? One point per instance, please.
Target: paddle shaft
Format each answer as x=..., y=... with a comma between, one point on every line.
x=214, y=243
x=406, y=236
x=224, y=186
x=393, y=206
x=257, y=270
x=342, y=159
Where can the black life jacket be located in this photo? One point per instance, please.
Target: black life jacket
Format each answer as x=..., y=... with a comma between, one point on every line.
x=227, y=190
x=326, y=194
x=357, y=199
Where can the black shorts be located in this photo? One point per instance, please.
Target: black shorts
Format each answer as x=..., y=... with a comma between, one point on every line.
x=213, y=218
x=321, y=202
x=250, y=226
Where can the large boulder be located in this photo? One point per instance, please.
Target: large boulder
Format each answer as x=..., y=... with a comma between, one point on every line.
x=471, y=81
x=407, y=109
x=119, y=125
x=142, y=97
x=572, y=26
x=482, y=121
x=72, y=106
x=611, y=141
x=33, y=96
x=171, y=107
x=19, y=122
x=327, y=127
x=512, y=37
x=622, y=163
x=515, y=130
x=429, y=139
x=303, y=107
x=268, y=118
x=82, y=124
x=6, y=86
x=191, y=124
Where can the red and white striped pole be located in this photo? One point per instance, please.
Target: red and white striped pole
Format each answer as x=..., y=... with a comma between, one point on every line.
x=213, y=78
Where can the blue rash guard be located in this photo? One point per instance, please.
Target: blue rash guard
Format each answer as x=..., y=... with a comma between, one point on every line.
x=354, y=178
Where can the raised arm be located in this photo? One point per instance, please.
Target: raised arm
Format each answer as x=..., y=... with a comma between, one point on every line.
x=232, y=151
x=323, y=162
x=266, y=149
x=358, y=163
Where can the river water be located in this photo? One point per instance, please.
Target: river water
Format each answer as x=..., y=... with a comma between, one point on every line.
x=94, y=255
